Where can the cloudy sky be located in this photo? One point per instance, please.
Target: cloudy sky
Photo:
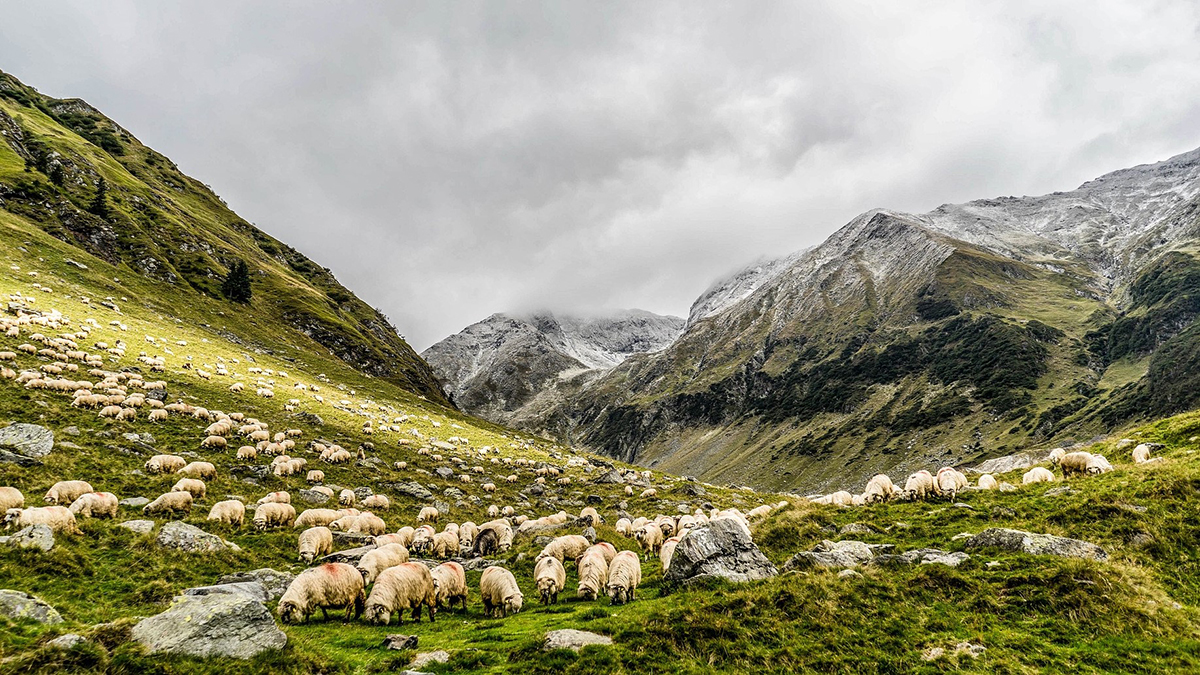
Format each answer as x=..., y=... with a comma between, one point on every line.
x=448, y=160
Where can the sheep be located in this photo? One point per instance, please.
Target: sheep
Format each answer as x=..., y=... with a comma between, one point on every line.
x=315, y=542
x=192, y=485
x=315, y=518
x=493, y=511
x=173, y=503
x=203, y=470
x=165, y=464
x=950, y=482
x=347, y=497
x=466, y=535
x=624, y=527
x=1098, y=465
x=486, y=543
x=58, y=518
x=1074, y=462
x=445, y=545
x=11, y=498
x=217, y=442
x=277, y=498
x=589, y=512
x=650, y=536
x=1056, y=455
x=988, y=482
x=67, y=491
x=503, y=532
x=760, y=511
x=450, y=584
x=273, y=514
x=500, y=593
x=879, y=489
x=247, y=452
x=1141, y=454
x=624, y=575
x=315, y=476
x=488, y=487
x=367, y=523
x=593, y=573
x=668, y=550
x=428, y=514
x=650, y=493
x=95, y=505
x=230, y=511
x=406, y=586
x=550, y=577
x=566, y=547
x=157, y=415
x=379, y=559
x=376, y=502
x=332, y=585
x=1038, y=474
x=919, y=485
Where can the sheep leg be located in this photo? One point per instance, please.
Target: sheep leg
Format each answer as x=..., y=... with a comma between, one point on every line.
x=324, y=614
x=431, y=612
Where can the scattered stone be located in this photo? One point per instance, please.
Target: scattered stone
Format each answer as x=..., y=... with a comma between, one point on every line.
x=426, y=658
x=361, y=493
x=950, y=559
x=992, y=563
x=961, y=535
x=224, y=625
x=350, y=555
x=273, y=581
x=933, y=653
x=399, y=642
x=722, y=548
x=34, y=536
x=690, y=489
x=313, y=497
x=610, y=477
x=1035, y=544
x=21, y=605
x=71, y=431
x=849, y=573
x=589, y=533
x=134, y=502
x=180, y=536
x=856, y=528
x=593, y=500
x=444, y=472
x=23, y=444
x=836, y=554
x=68, y=641
x=352, y=538
x=1007, y=487
x=537, y=489
x=1003, y=512
x=574, y=640
x=1064, y=491
x=453, y=493
x=1141, y=539
x=442, y=507
x=138, y=526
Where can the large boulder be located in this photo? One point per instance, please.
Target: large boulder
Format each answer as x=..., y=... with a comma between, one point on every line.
x=273, y=581
x=222, y=625
x=410, y=489
x=138, y=526
x=313, y=497
x=34, y=536
x=21, y=605
x=574, y=640
x=844, y=554
x=610, y=477
x=1033, y=543
x=1021, y=460
x=920, y=556
x=180, y=536
x=722, y=548
x=25, y=444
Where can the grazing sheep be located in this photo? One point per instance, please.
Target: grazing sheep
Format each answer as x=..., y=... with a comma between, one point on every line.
x=650, y=536
x=11, y=498
x=314, y=543
x=174, y=503
x=445, y=545
x=329, y=586
x=379, y=559
x=406, y=535
x=486, y=543
x=95, y=505
x=503, y=531
x=1141, y=454
x=315, y=476
x=593, y=573
x=450, y=584
x=346, y=497
x=157, y=415
x=499, y=591
x=406, y=586
x=919, y=485
x=428, y=514
x=231, y=512
x=466, y=535
x=58, y=518
x=67, y=491
x=1074, y=463
x=217, y=442
x=367, y=523
x=651, y=493
x=493, y=511
x=879, y=489
x=1056, y=455
x=988, y=482
x=550, y=577
x=203, y=470
x=488, y=487
x=668, y=550
x=192, y=485
x=628, y=490
x=624, y=575
x=247, y=452
x=316, y=518
x=590, y=513
x=276, y=498
x=273, y=514
x=165, y=464
x=758, y=511
x=566, y=547
x=1098, y=465
x=624, y=527
x=376, y=503
x=950, y=482
x=1038, y=474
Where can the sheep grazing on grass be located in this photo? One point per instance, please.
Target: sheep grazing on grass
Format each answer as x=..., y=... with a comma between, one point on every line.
x=347, y=498
x=316, y=517
x=624, y=527
x=379, y=559
x=1056, y=455
x=919, y=485
x=624, y=575
x=950, y=482
x=315, y=476
x=314, y=543
x=650, y=493
x=503, y=532
x=165, y=464
x=406, y=535
x=499, y=591
x=192, y=485
x=174, y=503
x=1098, y=465
x=328, y=586
x=230, y=511
x=593, y=573
x=758, y=511
x=247, y=452
x=67, y=491
x=11, y=498
x=58, y=518
x=157, y=415
x=428, y=514
x=486, y=543
x=1038, y=474
x=405, y=586
x=988, y=482
x=550, y=577
x=668, y=550
x=466, y=535
x=276, y=498
x=203, y=470
x=217, y=442
x=450, y=585
x=445, y=545
x=650, y=536
x=566, y=547
x=95, y=505
x=376, y=503
x=493, y=511
x=362, y=523
x=879, y=489
x=589, y=513
x=272, y=515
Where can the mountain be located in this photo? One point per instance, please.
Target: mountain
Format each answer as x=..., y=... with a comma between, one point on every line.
x=497, y=367
x=732, y=288
x=171, y=228
x=970, y=331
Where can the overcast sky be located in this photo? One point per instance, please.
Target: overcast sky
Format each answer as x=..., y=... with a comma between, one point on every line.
x=448, y=160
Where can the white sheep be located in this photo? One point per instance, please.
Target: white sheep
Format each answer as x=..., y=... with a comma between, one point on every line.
x=165, y=464
x=1038, y=474
x=316, y=517
x=428, y=514
x=379, y=559
x=315, y=542
x=230, y=511
x=1141, y=454
x=192, y=485
x=650, y=536
x=274, y=514
x=879, y=489
x=624, y=575
x=406, y=586
x=11, y=498
x=500, y=593
x=667, y=551
x=328, y=586
x=203, y=470
x=96, y=505
x=67, y=491
x=450, y=584
x=593, y=573
x=58, y=518
x=170, y=502
x=550, y=577
x=950, y=482
x=988, y=482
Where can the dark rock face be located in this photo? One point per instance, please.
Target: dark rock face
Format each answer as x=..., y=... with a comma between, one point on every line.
x=1033, y=543
x=722, y=548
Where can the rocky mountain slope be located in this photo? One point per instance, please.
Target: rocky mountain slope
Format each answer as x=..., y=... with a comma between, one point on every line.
x=730, y=289
x=967, y=332
x=497, y=367
x=168, y=227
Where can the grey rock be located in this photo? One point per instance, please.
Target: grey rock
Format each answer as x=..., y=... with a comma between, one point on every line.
x=67, y=445
x=68, y=641
x=250, y=589
x=18, y=605
x=350, y=555
x=720, y=548
x=134, y=502
x=442, y=507
x=444, y=472
x=610, y=477
x=28, y=441
x=361, y=493
x=950, y=559
x=690, y=489
x=832, y=555
x=157, y=394
x=453, y=493
x=312, y=497
x=221, y=625
x=411, y=489
x=181, y=536
x=574, y=640
x=1003, y=512
x=426, y=658
x=1035, y=544
x=849, y=574
x=71, y=431
x=352, y=538
x=274, y=582
x=856, y=528
x=1064, y=491
x=594, y=500
x=1007, y=487
x=589, y=533
x=399, y=642
x=536, y=489
x=1021, y=460
x=309, y=418
x=34, y=536
x=138, y=526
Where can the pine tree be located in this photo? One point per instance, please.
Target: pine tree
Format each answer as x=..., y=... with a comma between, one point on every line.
x=99, y=205
x=236, y=285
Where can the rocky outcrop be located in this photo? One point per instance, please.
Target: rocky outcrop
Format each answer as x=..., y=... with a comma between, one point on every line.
x=17, y=605
x=34, y=536
x=1019, y=541
x=574, y=640
x=227, y=625
x=181, y=536
x=25, y=444
x=273, y=582
x=721, y=548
